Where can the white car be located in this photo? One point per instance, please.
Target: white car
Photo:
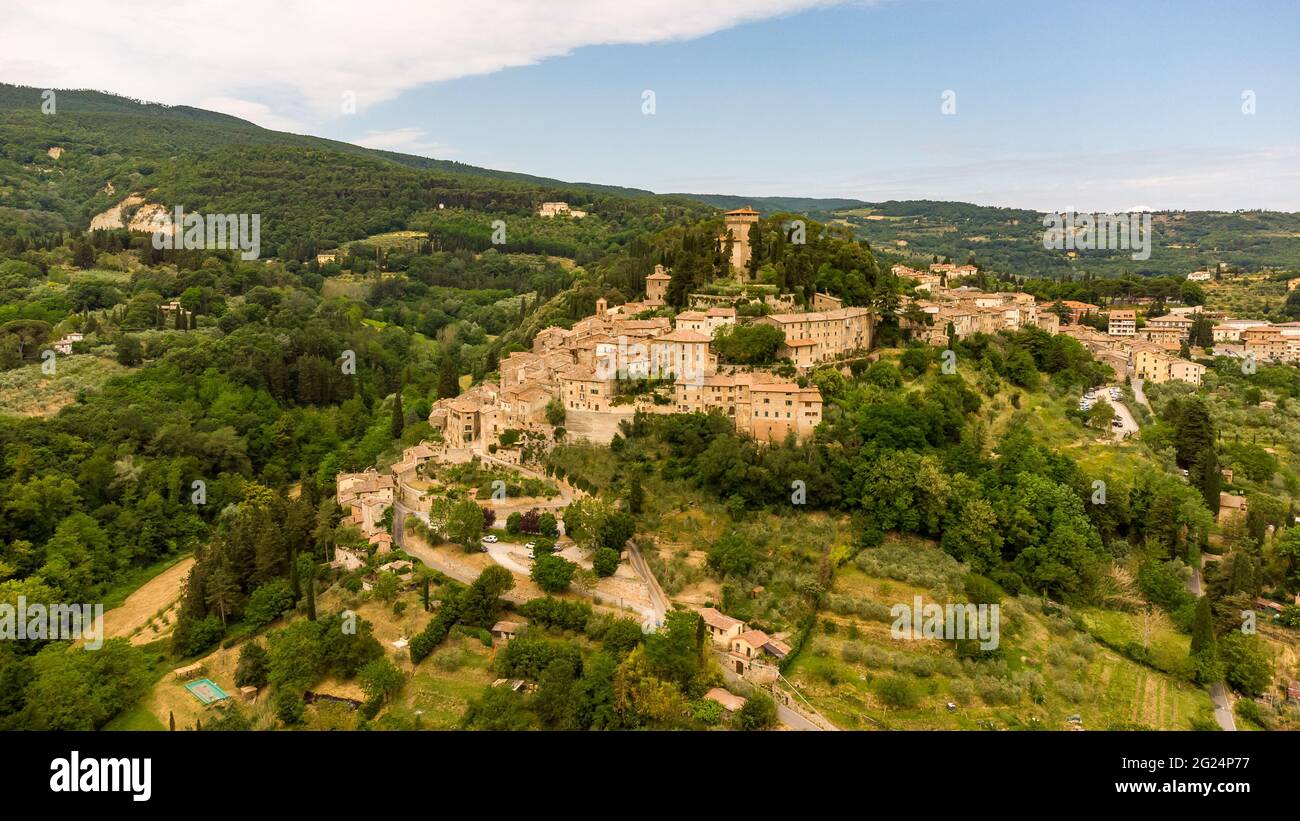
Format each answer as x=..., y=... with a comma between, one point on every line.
x=490, y=539
x=530, y=546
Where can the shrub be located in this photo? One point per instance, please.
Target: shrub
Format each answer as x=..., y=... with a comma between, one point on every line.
x=289, y=707
x=549, y=611
x=897, y=692
x=758, y=712
x=252, y=668
x=605, y=562
x=707, y=712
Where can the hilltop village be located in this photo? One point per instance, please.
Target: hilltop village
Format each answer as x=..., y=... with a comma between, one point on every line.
x=582, y=381
x=588, y=379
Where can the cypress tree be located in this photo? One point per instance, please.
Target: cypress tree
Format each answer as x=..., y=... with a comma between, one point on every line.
x=399, y=417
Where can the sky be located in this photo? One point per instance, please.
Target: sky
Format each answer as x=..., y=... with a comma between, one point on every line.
x=1093, y=106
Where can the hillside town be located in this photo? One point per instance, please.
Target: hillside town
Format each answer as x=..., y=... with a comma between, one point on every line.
x=583, y=369
x=1135, y=346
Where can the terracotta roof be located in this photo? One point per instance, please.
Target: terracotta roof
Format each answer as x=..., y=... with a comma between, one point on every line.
x=1228, y=500
x=682, y=335
x=754, y=638
x=718, y=619
x=729, y=701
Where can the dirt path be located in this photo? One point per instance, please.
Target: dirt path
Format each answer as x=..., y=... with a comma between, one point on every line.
x=162, y=592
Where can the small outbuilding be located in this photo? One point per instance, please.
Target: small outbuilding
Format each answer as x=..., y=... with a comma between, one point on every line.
x=730, y=701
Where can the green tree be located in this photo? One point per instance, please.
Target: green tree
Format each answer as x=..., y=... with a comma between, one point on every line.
x=757, y=713
x=555, y=414
x=605, y=562
x=129, y=351
x=252, y=668
x=465, y=524
x=1247, y=664
x=635, y=495
x=380, y=680
x=448, y=378
x=552, y=573
x=399, y=417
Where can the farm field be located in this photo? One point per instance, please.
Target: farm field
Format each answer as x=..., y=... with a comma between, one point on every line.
x=1048, y=671
x=28, y=391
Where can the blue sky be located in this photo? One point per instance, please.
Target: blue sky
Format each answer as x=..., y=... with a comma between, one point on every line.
x=1100, y=105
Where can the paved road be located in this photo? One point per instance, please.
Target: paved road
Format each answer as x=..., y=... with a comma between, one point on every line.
x=1218, y=693
x=501, y=554
x=1139, y=394
x=1222, y=706
x=1130, y=426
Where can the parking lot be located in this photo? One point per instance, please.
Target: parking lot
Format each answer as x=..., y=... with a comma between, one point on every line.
x=1122, y=424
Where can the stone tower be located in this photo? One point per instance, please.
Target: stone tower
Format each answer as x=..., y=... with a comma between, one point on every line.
x=738, y=223
x=656, y=286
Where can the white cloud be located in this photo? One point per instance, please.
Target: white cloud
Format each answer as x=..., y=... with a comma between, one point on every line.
x=406, y=140
x=258, y=113
x=298, y=59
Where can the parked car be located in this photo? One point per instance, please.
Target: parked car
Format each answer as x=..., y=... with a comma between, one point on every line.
x=490, y=539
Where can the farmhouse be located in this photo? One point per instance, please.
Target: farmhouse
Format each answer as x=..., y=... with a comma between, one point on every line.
x=722, y=628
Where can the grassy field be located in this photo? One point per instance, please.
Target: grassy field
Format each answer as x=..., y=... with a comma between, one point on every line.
x=27, y=391
x=1048, y=670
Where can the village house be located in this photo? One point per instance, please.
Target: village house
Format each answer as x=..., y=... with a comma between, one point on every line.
x=369, y=485
x=1151, y=362
x=825, y=302
x=64, y=345
x=821, y=336
x=682, y=353
x=754, y=402
x=1122, y=323
x=922, y=280
x=1230, y=330
x=781, y=408
x=1231, y=507
x=1180, y=325
x=559, y=209
x=705, y=322
x=721, y=628
x=506, y=630
x=582, y=389
x=1078, y=310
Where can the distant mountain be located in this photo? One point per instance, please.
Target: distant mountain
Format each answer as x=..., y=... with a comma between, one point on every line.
x=314, y=192
x=58, y=171
x=797, y=205
x=1009, y=240
x=84, y=101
